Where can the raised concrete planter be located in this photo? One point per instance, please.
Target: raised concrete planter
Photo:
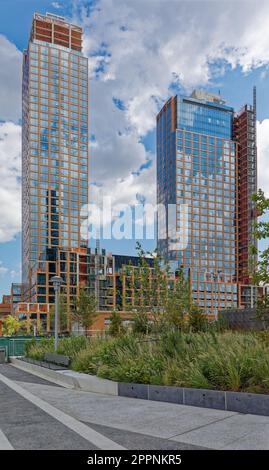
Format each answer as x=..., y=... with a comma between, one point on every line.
x=240, y=402
x=43, y=372
x=69, y=378
x=133, y=390
x=91, y=383
x=167, y=394
x=204, y=398
x=251, y=403
x=248, y=403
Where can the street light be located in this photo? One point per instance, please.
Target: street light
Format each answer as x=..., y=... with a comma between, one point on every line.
x=57, y=281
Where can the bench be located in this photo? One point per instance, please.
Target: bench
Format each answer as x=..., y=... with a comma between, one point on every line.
x=57, y=359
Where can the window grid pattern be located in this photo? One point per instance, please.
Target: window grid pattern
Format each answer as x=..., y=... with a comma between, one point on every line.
x=197, y=166
x=55, y=150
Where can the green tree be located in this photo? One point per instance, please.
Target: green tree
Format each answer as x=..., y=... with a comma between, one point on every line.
x=177, y=301
x=144, y=296
x=25, y=327
x=160, y=301
x=197, y=320
x=116, y=327
x=37, y=328
x=141, y=323
x=262, y=310
x=260, y=268
x=84, y=310
x=11, y=326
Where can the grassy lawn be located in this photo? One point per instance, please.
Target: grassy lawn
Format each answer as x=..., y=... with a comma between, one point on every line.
x=227, y=360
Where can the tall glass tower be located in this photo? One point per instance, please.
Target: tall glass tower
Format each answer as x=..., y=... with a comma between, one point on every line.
x=54, y=150
x=197, y=166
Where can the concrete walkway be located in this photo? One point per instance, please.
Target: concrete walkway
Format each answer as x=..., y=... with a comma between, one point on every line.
x=116, y=421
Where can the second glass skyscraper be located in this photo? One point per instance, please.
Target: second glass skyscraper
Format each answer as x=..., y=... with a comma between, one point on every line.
x=197, y=165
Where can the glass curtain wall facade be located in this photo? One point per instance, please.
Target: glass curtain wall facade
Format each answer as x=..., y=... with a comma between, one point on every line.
x=54, y=148
x=197, y=166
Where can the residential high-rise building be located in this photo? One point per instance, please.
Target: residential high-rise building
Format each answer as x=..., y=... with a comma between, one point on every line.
x=245, y=136
x=201, y=153
x=54, y=152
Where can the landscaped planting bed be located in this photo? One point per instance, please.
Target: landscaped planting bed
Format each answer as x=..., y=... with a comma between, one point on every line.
x=228, y=360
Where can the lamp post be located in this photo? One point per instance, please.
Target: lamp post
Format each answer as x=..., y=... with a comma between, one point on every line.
x=57, y=281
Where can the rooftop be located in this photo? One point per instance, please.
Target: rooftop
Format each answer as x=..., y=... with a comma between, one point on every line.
x=56, y=19
x=209, y=97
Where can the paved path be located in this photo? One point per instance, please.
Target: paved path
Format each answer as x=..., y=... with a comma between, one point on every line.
x=36, y=414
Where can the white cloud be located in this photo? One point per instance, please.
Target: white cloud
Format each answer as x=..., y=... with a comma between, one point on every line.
x=10, y=192
x=56, y=5
x=10, y=139
x=127, y=190
x=6, y=272
x=15, y=274
x=3, y=269
x=263, y=155
x=10, y=80
x=137, y=51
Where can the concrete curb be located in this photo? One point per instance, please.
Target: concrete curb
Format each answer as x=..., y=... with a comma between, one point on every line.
x=42, y=372
x=240, y=402
x=91, y=383
x=248, y=403
x=69, y=378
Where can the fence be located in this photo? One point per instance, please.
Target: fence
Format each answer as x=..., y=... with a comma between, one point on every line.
x=15, y=346
x=242, y=319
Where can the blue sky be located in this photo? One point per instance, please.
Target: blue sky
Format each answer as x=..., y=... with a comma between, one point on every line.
x=136, y=60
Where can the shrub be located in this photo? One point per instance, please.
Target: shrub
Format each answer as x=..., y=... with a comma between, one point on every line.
x=72, y=345
x=197, y=320
x=102, y=352
x=29, y=345
x=144, y=369
x=116, y=327
x=67, y=346
x=141, y=324
x=37, y=349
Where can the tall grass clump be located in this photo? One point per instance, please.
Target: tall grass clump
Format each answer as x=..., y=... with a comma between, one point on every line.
x=36, y=349
x=227, y=361
x=125, y=359
x=72, y=345
x=67, y=346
